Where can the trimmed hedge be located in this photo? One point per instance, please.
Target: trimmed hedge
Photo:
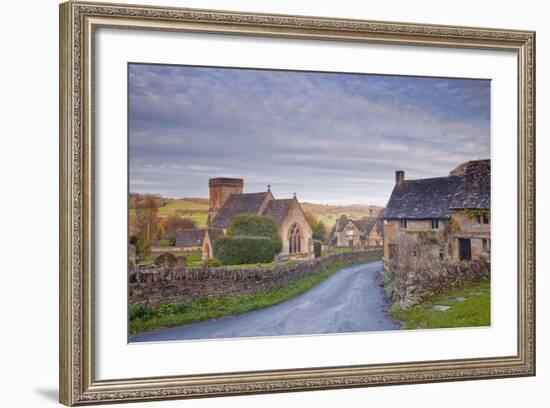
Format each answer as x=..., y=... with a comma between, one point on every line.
x=253, y=225
x=241, y=249
x=317, y=246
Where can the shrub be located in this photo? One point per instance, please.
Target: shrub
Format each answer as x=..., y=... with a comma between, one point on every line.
x=143, y=248
x=256, y=226
x=140, y=310
x=236, y=250
x=182, y=306
x=317, y=248
x=212, y=262
x=133, y=239
x=165, y=258
x=170, y=241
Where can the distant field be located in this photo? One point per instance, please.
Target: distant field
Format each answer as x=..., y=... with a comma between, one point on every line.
x=197, y=210
x=173, y=205
x=330, y=213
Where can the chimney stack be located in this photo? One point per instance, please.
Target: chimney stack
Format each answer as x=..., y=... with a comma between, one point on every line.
x=399, y=177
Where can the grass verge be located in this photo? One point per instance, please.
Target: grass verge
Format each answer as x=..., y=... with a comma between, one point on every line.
x=469, y=306
x=144, y=318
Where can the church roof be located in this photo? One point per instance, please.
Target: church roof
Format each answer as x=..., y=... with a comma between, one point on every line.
x=278, y=209
x=214, y=233
x=188, y=238
x=248, y=203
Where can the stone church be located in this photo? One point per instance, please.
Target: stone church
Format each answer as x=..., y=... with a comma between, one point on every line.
x=228, y=200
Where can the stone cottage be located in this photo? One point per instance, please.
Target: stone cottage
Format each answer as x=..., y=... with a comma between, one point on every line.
x=366, y=231
x=228, y=200
x=442, y=217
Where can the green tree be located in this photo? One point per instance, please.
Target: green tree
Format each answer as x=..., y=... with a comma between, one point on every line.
x=320, y=232
x=256, y=226
x=343, y=217
x=317, y=246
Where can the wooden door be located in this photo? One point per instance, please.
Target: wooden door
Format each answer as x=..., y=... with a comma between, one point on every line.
x=464, y=249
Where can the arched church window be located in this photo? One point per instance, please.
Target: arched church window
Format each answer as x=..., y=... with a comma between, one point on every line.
x=294, y=239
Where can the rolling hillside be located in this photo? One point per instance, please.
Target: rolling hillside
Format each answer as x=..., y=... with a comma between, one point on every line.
x=197, y=209
x=330, y=213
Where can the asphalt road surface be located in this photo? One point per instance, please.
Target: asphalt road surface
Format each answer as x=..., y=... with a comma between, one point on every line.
x=351, y=300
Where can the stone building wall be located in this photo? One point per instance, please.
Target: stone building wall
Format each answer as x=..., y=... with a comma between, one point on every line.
x=296, y=215
x=354, y=236
x=391, y=235
x=375, y=237
x=170, y=281
x=443, y=242
x=468, y=227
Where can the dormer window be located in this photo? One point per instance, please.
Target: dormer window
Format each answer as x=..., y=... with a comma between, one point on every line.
x=435, y=224
x=403, y=224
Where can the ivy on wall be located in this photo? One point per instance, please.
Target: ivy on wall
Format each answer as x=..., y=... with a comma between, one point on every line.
x=477, y=213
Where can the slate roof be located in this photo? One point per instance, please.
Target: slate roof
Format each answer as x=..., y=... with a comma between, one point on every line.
x=341, y=224
x=189, y=238
x=214, y=233
x=474, y=191
x=364, y=224
x=278, y=209
x=248, y=203
x=423, y=198
x=467, y=186
x=378, y=226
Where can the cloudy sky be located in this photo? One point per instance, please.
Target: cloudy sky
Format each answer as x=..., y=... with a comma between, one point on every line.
x=331, y=138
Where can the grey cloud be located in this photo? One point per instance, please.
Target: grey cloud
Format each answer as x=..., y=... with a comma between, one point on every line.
x=298, y=133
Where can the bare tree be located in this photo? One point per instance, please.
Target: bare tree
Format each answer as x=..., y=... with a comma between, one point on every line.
x=175, y=223
x=146, y=218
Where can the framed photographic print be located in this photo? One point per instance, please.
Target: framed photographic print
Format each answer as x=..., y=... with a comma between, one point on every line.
x=256, y=203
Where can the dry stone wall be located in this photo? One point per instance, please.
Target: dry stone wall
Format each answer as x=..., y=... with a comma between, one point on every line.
x=170, y=281
x=407, y=289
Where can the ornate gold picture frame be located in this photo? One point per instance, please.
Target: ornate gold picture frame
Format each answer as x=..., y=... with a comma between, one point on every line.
x=79, y=22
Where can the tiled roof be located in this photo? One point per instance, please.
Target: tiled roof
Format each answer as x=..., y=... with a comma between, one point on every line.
x=188, y=238
x=378, y=226
x=278, y=209
x=467, y=186
x=214, y=233
x=422, y=199
x=364, y=224
x=238, y=204
x=474, y=190
x=341, y=223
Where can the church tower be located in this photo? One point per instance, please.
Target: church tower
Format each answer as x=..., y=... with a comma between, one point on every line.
x=220, y=190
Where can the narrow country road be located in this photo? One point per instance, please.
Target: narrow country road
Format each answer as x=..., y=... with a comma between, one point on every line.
x=351, y=300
